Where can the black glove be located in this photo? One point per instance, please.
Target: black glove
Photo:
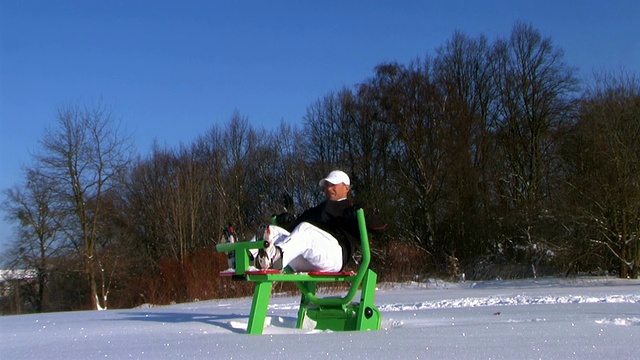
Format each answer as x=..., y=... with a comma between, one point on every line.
x=350, y=213
x=283, y=218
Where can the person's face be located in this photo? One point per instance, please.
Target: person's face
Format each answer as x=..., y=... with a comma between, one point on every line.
x=335, y=192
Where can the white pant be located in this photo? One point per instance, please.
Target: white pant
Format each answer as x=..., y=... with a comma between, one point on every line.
x=307, y=248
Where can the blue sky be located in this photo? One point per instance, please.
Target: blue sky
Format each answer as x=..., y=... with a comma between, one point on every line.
x=170, y=70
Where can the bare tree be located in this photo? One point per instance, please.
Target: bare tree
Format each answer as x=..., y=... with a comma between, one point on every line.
x=325, y=133
x=463, y=73
x=186, y=196
x=39, y=233
x=147, y=194
x=84, y=157
x=535, y=89
x=410, y=101
x=368, y=146
x=240, y=143
x=603, y=162
x=295, y=178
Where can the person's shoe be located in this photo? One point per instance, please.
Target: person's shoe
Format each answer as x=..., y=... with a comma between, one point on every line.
x=229, y=236
x=271, y=256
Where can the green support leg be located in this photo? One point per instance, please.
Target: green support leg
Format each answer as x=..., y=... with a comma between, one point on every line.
x=259, y=307
x=304, y=303
x=369, y=317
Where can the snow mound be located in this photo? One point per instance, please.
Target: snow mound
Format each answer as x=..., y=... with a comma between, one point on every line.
x=508, y=301
x=634, y=321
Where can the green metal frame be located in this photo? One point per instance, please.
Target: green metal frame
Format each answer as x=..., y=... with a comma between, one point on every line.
x=328, y=313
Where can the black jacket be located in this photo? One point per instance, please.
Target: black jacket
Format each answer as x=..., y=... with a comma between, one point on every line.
x=339, y=219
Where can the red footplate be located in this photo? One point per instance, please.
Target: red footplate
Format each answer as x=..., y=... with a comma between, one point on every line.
x=263, y=272
x=275, y=271
x=332, y=273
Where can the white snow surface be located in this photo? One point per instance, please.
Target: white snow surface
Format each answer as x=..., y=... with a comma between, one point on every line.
x=551, y=318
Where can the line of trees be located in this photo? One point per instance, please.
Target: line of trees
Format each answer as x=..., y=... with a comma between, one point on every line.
x=487, y=159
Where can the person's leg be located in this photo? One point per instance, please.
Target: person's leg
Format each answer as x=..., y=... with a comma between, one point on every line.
x=309, y=248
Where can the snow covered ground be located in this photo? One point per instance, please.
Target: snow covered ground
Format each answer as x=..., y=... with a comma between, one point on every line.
x=582, y=318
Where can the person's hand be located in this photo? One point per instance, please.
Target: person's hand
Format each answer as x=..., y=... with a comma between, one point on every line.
x=283, y=218
x=351, y=212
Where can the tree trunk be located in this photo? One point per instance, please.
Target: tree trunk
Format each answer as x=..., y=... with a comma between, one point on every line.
x=91, y=277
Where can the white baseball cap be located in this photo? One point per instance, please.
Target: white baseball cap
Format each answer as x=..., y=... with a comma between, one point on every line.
x=336, y=177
